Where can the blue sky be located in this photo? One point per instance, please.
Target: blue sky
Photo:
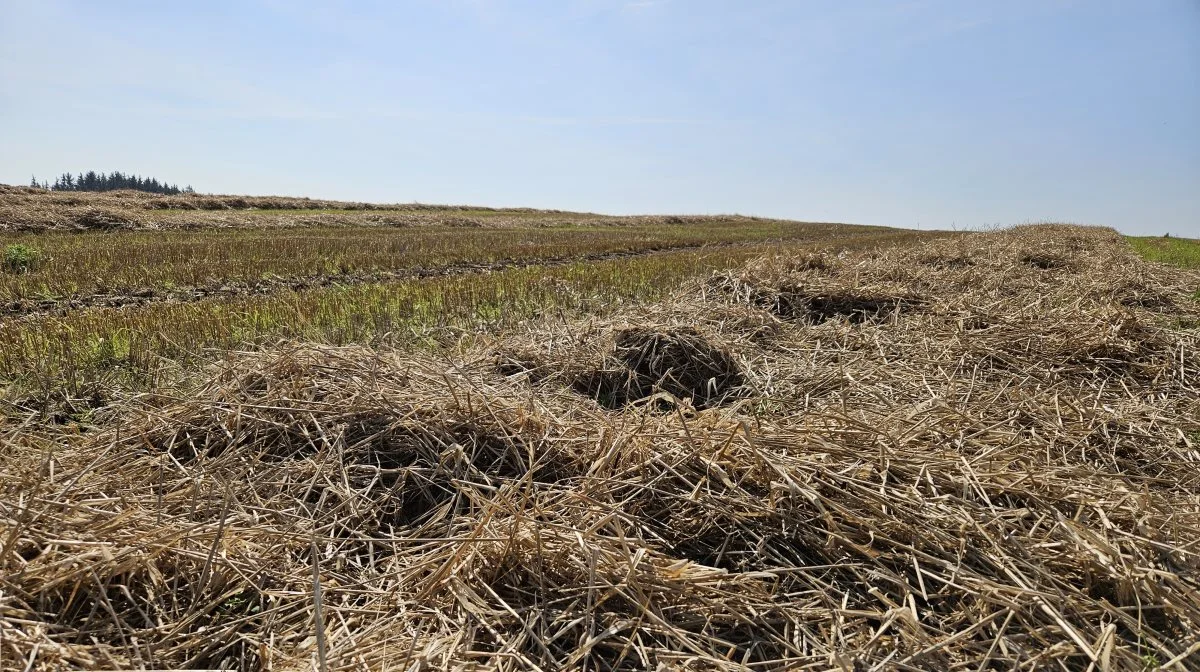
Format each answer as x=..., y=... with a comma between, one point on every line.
x=935, y=113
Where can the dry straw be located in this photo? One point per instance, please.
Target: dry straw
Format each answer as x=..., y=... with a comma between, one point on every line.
x=948, y=456
x=37, y=210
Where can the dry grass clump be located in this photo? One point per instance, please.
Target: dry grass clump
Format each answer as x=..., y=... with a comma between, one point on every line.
x=947, y=259
x=40, y=217
x=621, y=365
x=100, y=218
x=1005, y=478
x=1066, y=345
x=811, y=292
x=816, y=306
x=1044, y=261
x=680, y=362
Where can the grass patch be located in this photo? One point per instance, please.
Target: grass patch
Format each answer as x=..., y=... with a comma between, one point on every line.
x=1184, y=252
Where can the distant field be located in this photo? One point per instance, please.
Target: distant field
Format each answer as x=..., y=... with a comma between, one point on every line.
x=80, y=264
x=1177, y=251
x=133, y=345
x=419, y=210
x=24, y=209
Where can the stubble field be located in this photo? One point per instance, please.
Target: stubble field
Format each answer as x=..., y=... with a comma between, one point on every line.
x=476, y=439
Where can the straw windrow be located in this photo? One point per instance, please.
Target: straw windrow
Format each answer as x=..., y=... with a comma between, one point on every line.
x=995, y=466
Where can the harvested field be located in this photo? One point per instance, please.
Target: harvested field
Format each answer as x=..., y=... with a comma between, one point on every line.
x=25, y=209
x=88, y=310
x=135, y=341
x=938, y=456
x=85, y=266
x=269, y=284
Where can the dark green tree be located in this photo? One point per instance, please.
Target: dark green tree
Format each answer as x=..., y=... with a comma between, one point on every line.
x=93, y=181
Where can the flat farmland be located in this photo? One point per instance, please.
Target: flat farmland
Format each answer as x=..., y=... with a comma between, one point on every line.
x=79, y=265
x=256, y=433
x=97, y=306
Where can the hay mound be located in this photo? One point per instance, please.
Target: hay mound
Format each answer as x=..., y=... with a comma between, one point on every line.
x=947, y=259
x=680, y=362
x=104, y=218
x=816, y=307
x=815, y=294
x=523, y=362
x=811, y=261
x=1044, y=261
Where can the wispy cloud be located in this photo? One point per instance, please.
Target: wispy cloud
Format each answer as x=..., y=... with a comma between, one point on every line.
x=635, y=6
x=615, y=121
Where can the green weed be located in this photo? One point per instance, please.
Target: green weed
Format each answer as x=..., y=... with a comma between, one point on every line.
x=21, y=258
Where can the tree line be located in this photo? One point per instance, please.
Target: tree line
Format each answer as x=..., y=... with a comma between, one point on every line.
x=93, y=181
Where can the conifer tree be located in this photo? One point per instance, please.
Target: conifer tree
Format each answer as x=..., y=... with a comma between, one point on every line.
x=115, y=180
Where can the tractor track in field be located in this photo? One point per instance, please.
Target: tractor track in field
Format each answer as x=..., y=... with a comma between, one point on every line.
x=137, y=298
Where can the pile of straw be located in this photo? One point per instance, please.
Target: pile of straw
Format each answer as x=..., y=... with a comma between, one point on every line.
x=996, y=466
x=36, y=210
